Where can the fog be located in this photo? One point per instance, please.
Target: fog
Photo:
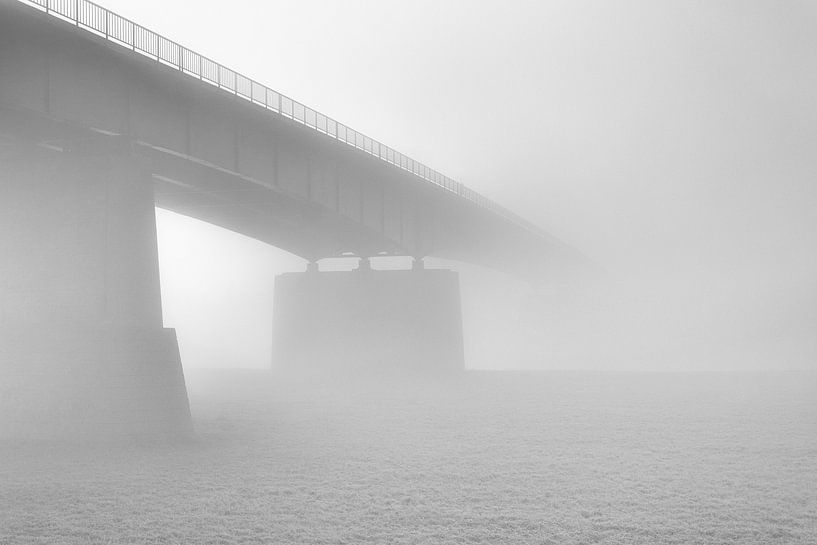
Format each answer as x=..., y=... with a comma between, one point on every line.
x=672, y=142
x=665, y=396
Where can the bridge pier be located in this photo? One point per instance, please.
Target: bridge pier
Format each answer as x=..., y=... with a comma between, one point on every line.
x=82, y=347
x=368, y=322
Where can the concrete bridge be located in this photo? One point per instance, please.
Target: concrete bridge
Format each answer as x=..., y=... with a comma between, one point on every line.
x=102, y=119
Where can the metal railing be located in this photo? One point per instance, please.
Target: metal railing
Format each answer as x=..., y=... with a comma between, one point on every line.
x=115, y=28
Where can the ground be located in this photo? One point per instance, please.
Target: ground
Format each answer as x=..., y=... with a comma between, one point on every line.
x=489, y=457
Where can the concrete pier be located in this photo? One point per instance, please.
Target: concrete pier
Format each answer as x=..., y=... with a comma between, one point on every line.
x=368, y=321
x=82, y=346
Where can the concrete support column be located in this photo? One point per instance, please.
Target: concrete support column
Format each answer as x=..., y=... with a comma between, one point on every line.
x=82, y=347
x=115, y=192
x=341, y=323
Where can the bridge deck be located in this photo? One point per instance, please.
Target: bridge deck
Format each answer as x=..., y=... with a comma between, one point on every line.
x=229, y=150
x=120, y=30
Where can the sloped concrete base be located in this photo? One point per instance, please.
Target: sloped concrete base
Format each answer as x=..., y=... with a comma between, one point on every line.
x=371, y=322
x=91, y=384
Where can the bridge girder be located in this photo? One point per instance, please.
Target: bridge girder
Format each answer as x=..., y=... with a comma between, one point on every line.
x=232, y=163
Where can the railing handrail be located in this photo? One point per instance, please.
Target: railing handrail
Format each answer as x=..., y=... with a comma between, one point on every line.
x=120, y=30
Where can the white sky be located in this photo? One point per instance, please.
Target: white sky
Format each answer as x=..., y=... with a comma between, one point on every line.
x=673, y=141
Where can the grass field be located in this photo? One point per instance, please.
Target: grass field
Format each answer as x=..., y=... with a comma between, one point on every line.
x=488, y=458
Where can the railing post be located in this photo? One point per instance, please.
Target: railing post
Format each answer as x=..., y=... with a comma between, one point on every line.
x=76, y=12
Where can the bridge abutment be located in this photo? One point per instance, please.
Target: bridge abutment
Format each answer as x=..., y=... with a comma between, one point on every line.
x=368, y=322
x=82, y=347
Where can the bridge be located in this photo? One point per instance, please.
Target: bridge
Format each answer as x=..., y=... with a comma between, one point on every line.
x=102, y=119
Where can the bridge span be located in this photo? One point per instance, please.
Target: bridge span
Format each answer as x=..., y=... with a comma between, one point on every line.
x=102, y=119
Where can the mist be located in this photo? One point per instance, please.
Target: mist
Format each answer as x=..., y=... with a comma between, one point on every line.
x=673, y=143
x=180, y=361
